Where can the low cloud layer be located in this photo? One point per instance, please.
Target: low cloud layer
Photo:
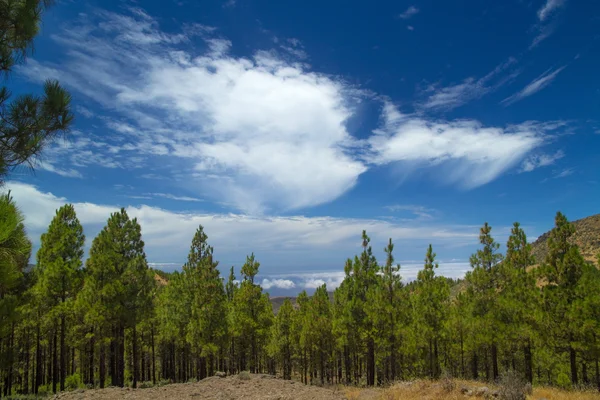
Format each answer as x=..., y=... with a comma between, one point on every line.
x=168, y=234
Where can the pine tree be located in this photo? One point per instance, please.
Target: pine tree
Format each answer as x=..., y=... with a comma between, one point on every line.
x=15, y=250
x=431, y=301
x=59, y=262
x=483, y=285
x=28, y=123
x=116, y=270
x=282, y=338
x=561, y=272
x=518, y=288
x=208, y=324
x=252, y=317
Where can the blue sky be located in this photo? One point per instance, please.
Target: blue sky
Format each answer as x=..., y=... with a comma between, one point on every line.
x=285, y=128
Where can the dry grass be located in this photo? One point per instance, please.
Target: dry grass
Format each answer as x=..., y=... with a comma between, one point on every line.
x=436, y=390
x=557, y=394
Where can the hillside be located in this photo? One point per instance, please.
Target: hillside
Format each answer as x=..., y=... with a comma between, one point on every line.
x=587, y=237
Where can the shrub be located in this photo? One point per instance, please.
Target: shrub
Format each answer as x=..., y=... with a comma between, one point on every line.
x=448, y=384
x=244, y=375
x=163, y=382
x=73, y=382
x=512, y=386
x=145, y=385
x=563, y=381
x=45, y=389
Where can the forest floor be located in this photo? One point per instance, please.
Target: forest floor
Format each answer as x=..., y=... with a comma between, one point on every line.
x=267, y=387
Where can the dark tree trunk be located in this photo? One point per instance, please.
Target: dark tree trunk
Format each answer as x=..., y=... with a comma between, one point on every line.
x=91, y=359
x=55, y=360
x=528, y=362
x=474, y=366
x=102, y=366
x=38, y=362
x=63, y=360
x=370, y=363
x=436, y=361
x=597, y=374
x=25, y=384
x=494, y=361
x=135, y=357
x=573, y=357
x=153, y=357
x=121, y=356
x=347, y=365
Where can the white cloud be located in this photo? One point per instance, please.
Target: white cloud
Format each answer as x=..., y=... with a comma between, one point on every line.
x=410, y=12
x=547, y=21
x=167, y=234
x=540, y=160
x=472, y=155
x=548, y=8
x=260, y=133
x=419, y=211
x=453, y=96
x=538, y=84
x=174, y=197
x=48, y=166
x=277, y=283
x=564, y=173
x=275, y=130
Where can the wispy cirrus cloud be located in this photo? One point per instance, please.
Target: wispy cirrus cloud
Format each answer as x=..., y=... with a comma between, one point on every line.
x=540, y=160
x=449, y=97
x=549, y=8
x=409, y=12
x=535, y=86
x=419, y=211
x=564, y=173
x=466, y=152
x=547, y=22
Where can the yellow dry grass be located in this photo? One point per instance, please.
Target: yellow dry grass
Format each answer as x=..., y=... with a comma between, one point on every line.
x=435, y=390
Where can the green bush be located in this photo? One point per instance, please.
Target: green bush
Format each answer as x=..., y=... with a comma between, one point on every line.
x=563, y=381
x=244, y=375
x=145, y=385
x=45, y=389
x=163, y=382
x=73, y=382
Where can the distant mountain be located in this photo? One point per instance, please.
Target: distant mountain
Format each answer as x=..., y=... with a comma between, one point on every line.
x=587, y=237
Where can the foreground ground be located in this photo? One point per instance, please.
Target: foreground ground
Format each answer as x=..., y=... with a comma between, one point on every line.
x=269, y=388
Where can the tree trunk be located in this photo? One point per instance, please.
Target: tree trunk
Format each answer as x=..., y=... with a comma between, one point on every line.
x=370, y=363
x=573, y=357
x=475, y=368
x=38, y=362
x=102, y=366
x=135, y=357
x=153, y=358
x=528, y=362
x=121, y=356
x=494, y=361
x=597, y=374
x=55, y=360
x=63, y=361
x=91, y=359
x=436, y=362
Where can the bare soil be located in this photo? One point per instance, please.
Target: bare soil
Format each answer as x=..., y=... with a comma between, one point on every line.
x=215, y=388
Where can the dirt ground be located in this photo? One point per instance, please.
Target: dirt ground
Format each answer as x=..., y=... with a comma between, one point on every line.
x=215, y=388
